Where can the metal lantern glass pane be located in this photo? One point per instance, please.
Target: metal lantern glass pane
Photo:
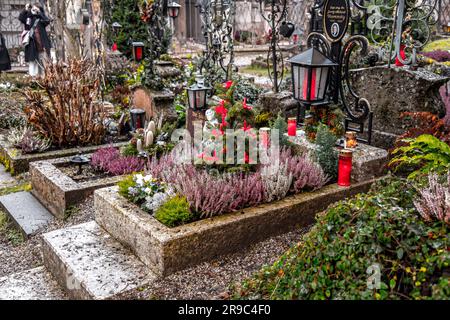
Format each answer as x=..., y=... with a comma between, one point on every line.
x=197, y=97
x=173, y=9
x=310, y=83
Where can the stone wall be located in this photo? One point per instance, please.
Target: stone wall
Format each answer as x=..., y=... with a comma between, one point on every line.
x=392, y=91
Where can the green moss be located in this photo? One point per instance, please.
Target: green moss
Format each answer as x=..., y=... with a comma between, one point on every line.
x=14, y=189
x=6, y=163
x=174, y=212
x=9, y=231
x=71, y=211
x=443, y=44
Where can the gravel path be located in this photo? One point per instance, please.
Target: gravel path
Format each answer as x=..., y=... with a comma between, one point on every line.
x=27, y=255
x=211, y=280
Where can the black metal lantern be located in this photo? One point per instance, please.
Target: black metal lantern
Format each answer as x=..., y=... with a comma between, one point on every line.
x=173, y=10
x=197, y=95
x=138, y=51
x=310, y=76
x=137, y=119
x=115, y=27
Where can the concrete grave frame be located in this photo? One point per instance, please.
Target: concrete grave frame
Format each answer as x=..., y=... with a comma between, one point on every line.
x=57, y=191
x=167, y=250
x=16, y=163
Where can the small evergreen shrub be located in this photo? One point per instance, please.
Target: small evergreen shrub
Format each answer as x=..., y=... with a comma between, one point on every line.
x=174, y=212
x=326, y=155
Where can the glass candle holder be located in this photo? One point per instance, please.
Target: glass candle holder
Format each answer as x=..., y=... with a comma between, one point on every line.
x=264, y=134
x=292, y=127
x=345, y=167
x=351, y=141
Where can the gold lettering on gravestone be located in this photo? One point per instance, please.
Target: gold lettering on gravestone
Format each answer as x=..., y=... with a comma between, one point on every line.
x=337, y=13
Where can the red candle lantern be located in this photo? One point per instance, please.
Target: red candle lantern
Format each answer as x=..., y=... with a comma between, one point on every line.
x=173, y=9
x=138, y=51
x=116, y=28
x=345, y=167
x=310, y=76
x=292, y=127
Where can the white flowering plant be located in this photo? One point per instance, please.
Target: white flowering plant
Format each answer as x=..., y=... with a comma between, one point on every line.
x=146, y=191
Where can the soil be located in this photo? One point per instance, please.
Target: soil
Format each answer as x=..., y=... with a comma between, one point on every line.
x=87, y=174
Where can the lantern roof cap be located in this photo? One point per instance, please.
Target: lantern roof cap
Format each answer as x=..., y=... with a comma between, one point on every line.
x=199, y=86
x=312, y=57
x=174, y=4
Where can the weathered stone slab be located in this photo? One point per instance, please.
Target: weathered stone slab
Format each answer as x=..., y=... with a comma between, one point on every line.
x=28, y=214
x=89, y=264
x=33, y=284
x=392, y=91
x=278, y=102
x=368, y=161
x=17, y=163
x=156, y=104
x=167, y=250
x=5, y=177
x=57, y=191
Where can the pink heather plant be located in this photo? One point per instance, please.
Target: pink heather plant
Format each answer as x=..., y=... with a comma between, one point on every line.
x=110, y=161
x=212, y=196
x=434, y=201
x=306, y=174
x=102, y=158
x=125, y=165
x=215, y=195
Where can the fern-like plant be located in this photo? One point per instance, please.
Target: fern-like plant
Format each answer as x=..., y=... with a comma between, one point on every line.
x=421, y=156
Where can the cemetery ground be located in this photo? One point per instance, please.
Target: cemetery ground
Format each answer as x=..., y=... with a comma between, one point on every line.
x=322, y=176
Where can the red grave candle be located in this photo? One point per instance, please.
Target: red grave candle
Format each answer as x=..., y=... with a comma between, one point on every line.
x=402, y=55
x=292, y=127
x=264, y=137
x=345, y=167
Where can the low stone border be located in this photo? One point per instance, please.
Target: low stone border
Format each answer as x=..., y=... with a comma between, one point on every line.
x=57, y=191
x=166, y=250
x=16, y=163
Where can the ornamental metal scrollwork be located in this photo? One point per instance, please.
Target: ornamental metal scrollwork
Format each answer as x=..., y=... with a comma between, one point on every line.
x=275, y=60
x=217, y=17
x=358, y=109
x=155, y=15
x=401, y=27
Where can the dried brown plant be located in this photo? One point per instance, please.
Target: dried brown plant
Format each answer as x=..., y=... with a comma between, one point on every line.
x=68, y=109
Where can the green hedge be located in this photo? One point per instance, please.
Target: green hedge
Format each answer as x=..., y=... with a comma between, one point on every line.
x=336, y=259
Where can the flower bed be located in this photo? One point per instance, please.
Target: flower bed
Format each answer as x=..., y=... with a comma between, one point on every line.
x=58, y=186
x=374, y=246
x=17, y=163
x=166, y=250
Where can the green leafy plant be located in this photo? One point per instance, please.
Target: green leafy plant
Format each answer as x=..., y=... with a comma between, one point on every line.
x=421, y=155
x=376, y=232
x=176, y=211
x=326, y=155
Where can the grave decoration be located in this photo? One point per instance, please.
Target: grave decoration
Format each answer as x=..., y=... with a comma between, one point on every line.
x=218, y=181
